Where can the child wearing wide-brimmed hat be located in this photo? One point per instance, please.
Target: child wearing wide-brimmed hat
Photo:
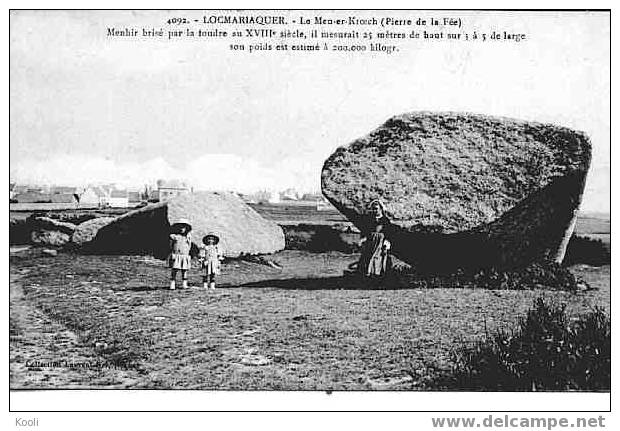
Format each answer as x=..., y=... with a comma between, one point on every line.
x=179, y=258
x=210, y=257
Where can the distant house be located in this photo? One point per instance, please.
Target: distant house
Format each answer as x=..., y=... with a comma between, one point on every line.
x=260, y=197
x=134, y=197
x=107, y=188
x=61, y=190
x=149, y=193
x=153, y=195
x=11, y=191
x=64, y=198
x=93, y=196
x=312, y=197
x=19, y=188
x=274, y=198
x=289, y=195
x=169, y=189
x=266, y=196
x=33, y=197
x=118, y=199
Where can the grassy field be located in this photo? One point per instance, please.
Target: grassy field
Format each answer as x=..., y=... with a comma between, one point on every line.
x=109, y=322
x=301, y=327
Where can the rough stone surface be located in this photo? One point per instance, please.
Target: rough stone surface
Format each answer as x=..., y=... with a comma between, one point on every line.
x=87, y=231
x=52, y=238
x=46, y=223
x=463, y=189
x=241, y=229
x=49, y=232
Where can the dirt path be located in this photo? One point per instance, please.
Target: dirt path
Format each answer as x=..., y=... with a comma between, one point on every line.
x=45, y=354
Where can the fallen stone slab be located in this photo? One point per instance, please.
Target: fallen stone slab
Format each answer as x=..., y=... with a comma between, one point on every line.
x=146, y=230
x=464, y=190
x=87, y=231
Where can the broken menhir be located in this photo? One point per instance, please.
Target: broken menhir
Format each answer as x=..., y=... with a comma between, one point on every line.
x=146, y=230
x=464, y=190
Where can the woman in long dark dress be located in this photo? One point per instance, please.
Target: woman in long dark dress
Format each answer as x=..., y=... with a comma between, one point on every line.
x=375, y=258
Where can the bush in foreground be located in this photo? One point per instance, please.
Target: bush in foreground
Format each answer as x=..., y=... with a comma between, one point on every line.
x=547, y=352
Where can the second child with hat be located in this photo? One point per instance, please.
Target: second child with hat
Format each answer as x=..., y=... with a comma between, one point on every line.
x=210, y=257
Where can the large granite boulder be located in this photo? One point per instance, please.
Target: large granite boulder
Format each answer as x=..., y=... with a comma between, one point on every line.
x=241, y=229
x=464, y=190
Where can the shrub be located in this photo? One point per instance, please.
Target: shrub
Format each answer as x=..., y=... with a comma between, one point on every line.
x=541, y=275
x=533, y=276
x=586, y=250
x=546, y=352
x=320, y=238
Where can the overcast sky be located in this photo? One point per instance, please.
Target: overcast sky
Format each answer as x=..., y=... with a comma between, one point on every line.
x=86, y=108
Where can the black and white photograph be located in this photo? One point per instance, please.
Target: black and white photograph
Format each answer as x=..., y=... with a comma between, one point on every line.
x=329, y=202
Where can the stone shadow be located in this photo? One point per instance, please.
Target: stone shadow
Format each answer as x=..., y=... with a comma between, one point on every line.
x=322, y=283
